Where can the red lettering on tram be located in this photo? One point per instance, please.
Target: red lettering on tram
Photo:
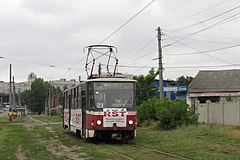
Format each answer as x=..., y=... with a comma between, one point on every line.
x=78, y=118
x=107, y=114
x=114, y=114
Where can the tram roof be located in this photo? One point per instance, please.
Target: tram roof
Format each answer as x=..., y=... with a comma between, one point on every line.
x=111, y=79
x=104, y=79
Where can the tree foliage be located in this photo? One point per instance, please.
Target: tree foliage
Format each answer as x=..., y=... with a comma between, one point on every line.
x=184, y=81
x=145, y=87
x=36, y=98
x=181, y=81
x=168, y=114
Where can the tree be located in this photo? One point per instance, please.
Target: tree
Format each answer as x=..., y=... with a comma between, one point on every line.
x=59, y=94
x=36, y=97
x=25, y=98
x=145, y=87
x=184, y=81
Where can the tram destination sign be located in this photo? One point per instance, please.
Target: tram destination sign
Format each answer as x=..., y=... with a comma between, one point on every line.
x=113, y=116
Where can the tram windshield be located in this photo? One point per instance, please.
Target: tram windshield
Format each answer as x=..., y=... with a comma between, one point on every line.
x=113, y=94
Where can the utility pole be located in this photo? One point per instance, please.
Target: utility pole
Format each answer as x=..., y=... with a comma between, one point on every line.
x=49, y=101
x=160, y=68
x=19, y=101
x=14, y=95
x=10, y=89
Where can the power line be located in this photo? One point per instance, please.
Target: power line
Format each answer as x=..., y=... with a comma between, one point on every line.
x=141, y=67
x=206, y=20
x=202, y=40
x=140, y=51
x=175, y=67
x=214, y=66
x=199, y=52
x=202, y=52
x=209, y=36
x=68, y=69
x=127, y=22
x=124, y=24
x=41, y=64
x=209, y=27
x=186, y=18
x=140, y=43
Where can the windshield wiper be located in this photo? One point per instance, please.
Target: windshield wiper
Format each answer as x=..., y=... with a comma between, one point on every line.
x=127, y=102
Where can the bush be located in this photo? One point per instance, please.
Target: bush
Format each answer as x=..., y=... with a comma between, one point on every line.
x=147, y=111
x=169, y=114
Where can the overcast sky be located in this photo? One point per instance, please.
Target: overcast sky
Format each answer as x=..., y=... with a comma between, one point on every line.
x=36, y=35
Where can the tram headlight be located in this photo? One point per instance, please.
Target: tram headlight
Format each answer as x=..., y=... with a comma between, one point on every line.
x=99, y=122
x=130, y=122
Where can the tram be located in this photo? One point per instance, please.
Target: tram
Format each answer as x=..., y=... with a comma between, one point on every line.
x=101, y=107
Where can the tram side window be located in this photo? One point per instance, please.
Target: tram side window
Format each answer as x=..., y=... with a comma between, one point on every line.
x=83, y=98
x=66, y=100
x=78, y=99
x=91, y=96
x=72, y=99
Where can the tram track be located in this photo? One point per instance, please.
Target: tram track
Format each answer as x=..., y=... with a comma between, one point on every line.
x=133, y=151
x=161, y=152
x=117, y=153
x=156, y=151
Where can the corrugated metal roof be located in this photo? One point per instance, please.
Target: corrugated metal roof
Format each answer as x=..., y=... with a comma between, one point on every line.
x=216, y=81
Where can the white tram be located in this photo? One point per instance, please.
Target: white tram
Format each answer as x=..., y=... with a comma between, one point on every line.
x=101, y=107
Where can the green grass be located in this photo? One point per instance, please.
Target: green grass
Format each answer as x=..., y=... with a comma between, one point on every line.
x=16, y=120
x=13, y=136
x=46, y=118
x=195, y=142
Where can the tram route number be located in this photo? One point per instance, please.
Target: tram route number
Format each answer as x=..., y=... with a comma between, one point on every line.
x=99, y=105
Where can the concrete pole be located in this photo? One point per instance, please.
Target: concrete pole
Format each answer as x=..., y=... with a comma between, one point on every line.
x=19, y=101
x=160, y=68
x=49, y=101
x=14, y=95
x=10, y=89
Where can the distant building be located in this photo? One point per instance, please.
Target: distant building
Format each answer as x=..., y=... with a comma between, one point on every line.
x=22, y=86
x=31, y=78
x=63, y=83
x=213, y=85
x=172, y=92
x=5, y=89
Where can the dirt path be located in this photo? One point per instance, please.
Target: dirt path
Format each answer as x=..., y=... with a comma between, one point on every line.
x=60, y=150
x=20, y=154
x=53, y=145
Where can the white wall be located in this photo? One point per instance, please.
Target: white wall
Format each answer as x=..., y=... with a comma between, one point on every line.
x=223, y=112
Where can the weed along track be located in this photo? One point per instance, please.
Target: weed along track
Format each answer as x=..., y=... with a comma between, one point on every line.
x=117, y=153
x=161, y=152
x=134, y=152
